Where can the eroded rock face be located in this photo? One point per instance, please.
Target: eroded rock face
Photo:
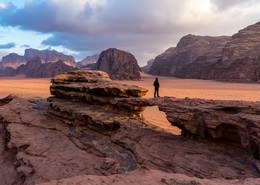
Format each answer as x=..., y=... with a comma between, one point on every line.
x=191, y=58
x=241, y=57
x=232, y=121
x=234, y=59
x=95, y=87
x=119, y=65
x=48, y=148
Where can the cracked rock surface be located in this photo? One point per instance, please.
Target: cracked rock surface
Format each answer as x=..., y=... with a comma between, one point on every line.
x=45, y=147
x=65, y=140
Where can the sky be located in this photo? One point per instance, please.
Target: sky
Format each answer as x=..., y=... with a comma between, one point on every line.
x=146, y=28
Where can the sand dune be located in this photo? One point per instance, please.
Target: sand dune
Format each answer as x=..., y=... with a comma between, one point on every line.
x=180, y=88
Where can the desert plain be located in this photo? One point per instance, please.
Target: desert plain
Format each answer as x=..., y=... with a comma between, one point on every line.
x=169, y=86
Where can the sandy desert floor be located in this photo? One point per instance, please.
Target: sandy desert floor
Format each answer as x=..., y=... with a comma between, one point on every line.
x=180, y=88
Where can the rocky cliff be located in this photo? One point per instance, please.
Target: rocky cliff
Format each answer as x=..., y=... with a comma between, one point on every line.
x=191, y=58
x=92, y=128
x=119, y=64
x=241, y=57
x=218, y=58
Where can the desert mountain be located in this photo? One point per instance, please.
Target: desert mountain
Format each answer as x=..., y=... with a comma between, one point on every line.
x=119, y=64
x=190, y=58
x=148, y=66
x=88, y=61
x=12, y=60
x=46, y=56
x=218, y=58
x=36, y=69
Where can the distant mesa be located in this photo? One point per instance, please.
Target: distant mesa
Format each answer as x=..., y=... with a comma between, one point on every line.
x=14, y=60
x=146, y=68
x=35, y=69
x=37, y=64
x=119, y=65
x=88, y=62
x=235, y=58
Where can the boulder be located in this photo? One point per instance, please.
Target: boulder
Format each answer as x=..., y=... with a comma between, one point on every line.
x=119, y=65
x=94, y=83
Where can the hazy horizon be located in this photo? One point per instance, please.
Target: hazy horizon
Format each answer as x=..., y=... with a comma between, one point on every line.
x=145, y=28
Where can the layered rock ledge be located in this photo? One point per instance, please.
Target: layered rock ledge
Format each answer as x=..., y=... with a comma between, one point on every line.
x=84, y=135
x=234, y=122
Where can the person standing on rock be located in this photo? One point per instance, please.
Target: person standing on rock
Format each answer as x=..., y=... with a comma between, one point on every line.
x=156, y=85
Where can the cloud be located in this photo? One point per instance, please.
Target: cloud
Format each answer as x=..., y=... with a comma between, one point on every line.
x=25, y=46
x=144, y=27
x=7, y=46
x=224, y=4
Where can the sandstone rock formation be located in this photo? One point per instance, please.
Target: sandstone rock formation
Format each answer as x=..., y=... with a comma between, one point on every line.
x=88, y=61
x=93, y=127
x=241, y=57
x=191, y=58
x=234, y=122
x=119, y=64
x=218, y=58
